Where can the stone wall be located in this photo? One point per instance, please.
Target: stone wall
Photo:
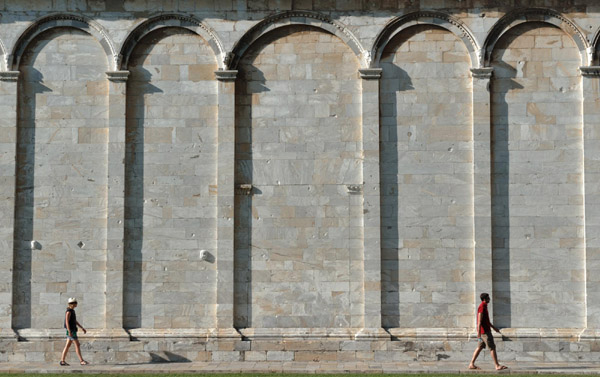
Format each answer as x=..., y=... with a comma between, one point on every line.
x=299, y=177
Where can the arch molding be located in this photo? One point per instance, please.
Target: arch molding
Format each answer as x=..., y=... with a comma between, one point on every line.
x=296, y=18
x=62, y=20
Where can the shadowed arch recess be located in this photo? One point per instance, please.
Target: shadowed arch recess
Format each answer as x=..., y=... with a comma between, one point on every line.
x=536, y=95
x=297, y=144
x=62, y=20
x=296, y=18
x=399, y=24
x=171, y=20
x=549, y=16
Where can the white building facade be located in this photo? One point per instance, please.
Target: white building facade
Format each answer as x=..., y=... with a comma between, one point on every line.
x=254, y=180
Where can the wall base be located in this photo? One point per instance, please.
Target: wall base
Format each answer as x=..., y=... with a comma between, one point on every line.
x=403, y=345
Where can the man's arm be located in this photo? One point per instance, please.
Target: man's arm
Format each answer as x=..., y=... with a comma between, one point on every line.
x=494, y=327
x=479, y=317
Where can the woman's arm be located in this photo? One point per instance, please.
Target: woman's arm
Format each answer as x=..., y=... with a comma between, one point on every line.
x=67, y=317
x=78, y=324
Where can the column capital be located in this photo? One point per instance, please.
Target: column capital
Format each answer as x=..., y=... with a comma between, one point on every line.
x=591, y=71
x=117, y=76
x=228, y=75
x=9, y=75
x=370, y=73
x=482, y=73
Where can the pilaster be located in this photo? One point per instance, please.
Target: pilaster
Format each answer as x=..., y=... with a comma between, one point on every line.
x=591, y=162
x=371, y=206
x=117, y=83
x=482, y=182
x=225, y=202
x=8, y=150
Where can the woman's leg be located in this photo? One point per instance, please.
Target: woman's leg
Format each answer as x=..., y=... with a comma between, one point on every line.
x=64, y=352
x=78, y=350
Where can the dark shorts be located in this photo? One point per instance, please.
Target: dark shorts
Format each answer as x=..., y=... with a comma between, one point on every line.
x=487, y=340
x=73, y=335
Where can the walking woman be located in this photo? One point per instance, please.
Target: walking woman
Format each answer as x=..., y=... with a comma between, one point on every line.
x=71, y=326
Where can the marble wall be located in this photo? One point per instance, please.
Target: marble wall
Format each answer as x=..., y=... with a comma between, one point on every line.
x=299, y=167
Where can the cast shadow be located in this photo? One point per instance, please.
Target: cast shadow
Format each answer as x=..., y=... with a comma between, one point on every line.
x=138, y=86
x=167, y=357
x=502, y=83
x=394, y=81
x=30, y=85
x=251, y=81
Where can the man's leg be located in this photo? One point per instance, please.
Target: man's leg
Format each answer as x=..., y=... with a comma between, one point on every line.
x=495, y=359
x=475, y=355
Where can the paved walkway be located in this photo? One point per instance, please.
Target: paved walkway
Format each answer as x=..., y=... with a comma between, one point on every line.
x=304, y=367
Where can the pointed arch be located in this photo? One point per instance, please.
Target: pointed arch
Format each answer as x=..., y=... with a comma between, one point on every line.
x=62, y=20
x=549, y=16
x=172, y=20
x=297, y=18
x=398, y=24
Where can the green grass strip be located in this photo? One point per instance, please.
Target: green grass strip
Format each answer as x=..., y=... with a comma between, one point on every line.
x=474, y=374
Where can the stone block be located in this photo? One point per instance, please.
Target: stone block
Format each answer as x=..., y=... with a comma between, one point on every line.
x=280, y=356
x=255, y=355
x=226, y=356
x=315, y=356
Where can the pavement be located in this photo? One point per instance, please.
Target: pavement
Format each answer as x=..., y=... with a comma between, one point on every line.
x=325, y=367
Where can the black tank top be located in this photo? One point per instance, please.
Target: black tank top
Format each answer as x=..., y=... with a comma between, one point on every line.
x=72, y=325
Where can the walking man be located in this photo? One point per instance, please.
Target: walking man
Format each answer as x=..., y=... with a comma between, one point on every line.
x=484, y=333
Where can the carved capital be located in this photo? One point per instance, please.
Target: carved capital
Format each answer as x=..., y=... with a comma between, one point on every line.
x=117, y=76
x=370, y=73
x=229, y=75
x=9, y=76
x=592, y=72
x=482, y=73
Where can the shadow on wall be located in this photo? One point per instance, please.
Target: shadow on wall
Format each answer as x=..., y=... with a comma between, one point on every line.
x=251, y=81
x=30, y=85
x=167, y=357
x=501, y=85
x=138, y=86
x=397, y=80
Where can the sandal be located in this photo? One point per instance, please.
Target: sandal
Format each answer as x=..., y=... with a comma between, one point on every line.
x=64, y=364
x=83, y=362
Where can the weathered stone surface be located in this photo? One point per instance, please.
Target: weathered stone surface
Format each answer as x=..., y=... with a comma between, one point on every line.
x=283, y=180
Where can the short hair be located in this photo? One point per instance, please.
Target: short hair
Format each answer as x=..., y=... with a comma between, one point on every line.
x=483, y=296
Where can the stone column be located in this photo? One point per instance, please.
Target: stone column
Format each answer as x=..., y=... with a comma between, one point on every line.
x=117, y=89
x=371, y=206
x=482, y=183
x=8, y=150
x=591, y=161
x=225, y=203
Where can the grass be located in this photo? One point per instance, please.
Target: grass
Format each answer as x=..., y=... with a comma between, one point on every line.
x=289, y=375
